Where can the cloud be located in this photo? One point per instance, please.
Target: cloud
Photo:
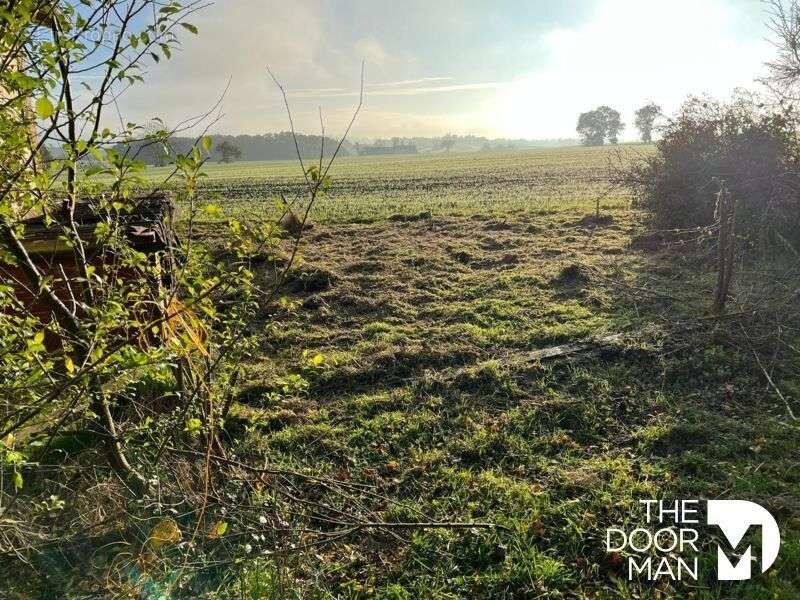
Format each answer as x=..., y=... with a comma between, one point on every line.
x=626, y=55
x=319, y=91
x=408, y=82
x=237, y=40
x=371, y=50
x=376, y=122
x=620, y=52
x=401, y=91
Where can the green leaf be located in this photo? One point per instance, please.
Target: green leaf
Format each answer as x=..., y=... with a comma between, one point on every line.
x=18, y=480
x=14, y=457
x=189, y=27
x=213, y=210
x=92, y=171
x=207, y=143
x=44, y=108
x=222, y=527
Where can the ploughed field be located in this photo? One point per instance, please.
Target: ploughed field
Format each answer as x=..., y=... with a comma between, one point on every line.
x=403, y=359
x=376, y=187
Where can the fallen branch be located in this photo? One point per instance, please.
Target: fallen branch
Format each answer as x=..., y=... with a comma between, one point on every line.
x=592, y=345
x=432, y=525
x=598, y=343
x=768, y=377
x=775, y=387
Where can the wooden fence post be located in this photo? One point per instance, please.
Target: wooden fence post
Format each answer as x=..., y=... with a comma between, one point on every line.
x=726, y=245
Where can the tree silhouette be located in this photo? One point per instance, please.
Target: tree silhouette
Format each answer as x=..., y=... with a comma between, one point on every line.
x=600, y=125
x=228, y=152
x=591, y=128
x=447, y=142
x=645, y=117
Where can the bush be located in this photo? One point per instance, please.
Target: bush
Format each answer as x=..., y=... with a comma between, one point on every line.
x=754, y=148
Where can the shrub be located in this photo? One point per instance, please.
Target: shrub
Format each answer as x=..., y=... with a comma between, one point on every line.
x=754, y=148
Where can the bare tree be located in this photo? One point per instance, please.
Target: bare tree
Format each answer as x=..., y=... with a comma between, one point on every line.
x=784, y=70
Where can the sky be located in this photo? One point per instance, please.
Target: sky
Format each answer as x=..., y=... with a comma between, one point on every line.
x=496, y=68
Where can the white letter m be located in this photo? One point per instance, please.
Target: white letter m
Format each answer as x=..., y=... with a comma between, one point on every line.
x=734, y=518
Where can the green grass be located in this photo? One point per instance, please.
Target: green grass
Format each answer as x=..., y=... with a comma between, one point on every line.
x=371, y=188
x=423, y=396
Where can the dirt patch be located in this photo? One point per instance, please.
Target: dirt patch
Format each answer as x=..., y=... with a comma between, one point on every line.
x=489, y=243
x=313, y=280
x=312, y=303
x=592, y=220
x=422, y=216
x=572, y=276
x=550, y=252
x=364, y=266
x=461, y=256
x=354, y=303
x=505, y=261
x=497, y=226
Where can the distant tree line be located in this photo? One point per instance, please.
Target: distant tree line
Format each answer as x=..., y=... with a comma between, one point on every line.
x=471, y=143
x=280, y=146
x=228, y=148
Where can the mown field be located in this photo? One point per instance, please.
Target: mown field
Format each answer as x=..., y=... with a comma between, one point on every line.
x=425, y=285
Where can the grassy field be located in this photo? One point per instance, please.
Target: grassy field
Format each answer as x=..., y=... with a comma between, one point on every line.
x=425, y=285
x=373, y=188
